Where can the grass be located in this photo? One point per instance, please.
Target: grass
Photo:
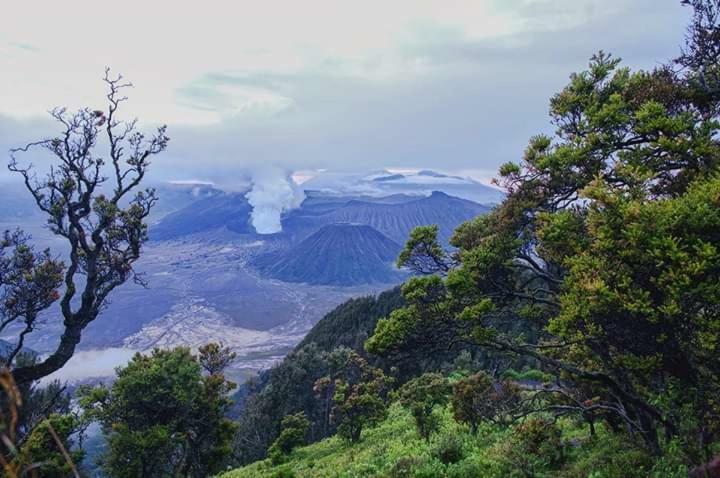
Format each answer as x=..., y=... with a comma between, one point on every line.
x=393, y=449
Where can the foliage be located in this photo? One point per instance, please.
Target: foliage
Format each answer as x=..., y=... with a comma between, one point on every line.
x=38, y=402
x=287, y=388
x=358, y=393
x=102, y=221
x=421, y=395
x=450, y=449
x=530, y=375
x=42, y=452
x=422, y=253
x=214, y=358
x=535, y=447
x=352, y=322
x=162, y=416
x=292, y=434
x=37, y=436
x=29, y=282
x=478, y=398
x=607, y=240
x=394, y=449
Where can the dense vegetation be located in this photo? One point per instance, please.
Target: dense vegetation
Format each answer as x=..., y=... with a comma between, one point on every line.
x=288, y=388
x=539, y=448
x=164, y=415
x=601, y=268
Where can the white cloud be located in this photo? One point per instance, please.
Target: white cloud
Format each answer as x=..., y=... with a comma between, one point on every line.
x=87, y=364
x=166, y=47
x=321, y=83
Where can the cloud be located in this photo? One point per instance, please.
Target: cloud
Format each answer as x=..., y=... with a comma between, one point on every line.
x=87, y=364
x=324, y=84
x=24, y=46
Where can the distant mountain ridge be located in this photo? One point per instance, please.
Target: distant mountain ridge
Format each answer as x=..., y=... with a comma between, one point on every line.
x=386, y=182
x=395, y=220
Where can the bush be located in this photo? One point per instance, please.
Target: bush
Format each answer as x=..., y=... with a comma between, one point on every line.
x=609, y=456
x=533, y=375
x=420, y=395
x=284, y=472
x=534, y=448
x=405, y=467
x=449, y=450
x=292, y=434
x=477, y=398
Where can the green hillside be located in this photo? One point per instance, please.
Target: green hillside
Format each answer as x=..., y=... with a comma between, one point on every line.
x=394, y=449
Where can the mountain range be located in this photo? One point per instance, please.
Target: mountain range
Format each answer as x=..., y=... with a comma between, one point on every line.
x=386, y=182
x=330, y=239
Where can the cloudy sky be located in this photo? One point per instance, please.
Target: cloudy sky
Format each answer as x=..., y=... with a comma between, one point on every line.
x=452, y=85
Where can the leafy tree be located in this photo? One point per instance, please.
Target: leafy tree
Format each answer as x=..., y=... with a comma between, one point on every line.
x=608, y=240
x=214, y=358
x=48, y=450
x=29, y=282
x=478, y=398
x=38, y=433
x=93, y=203
x=293, y=430
x=421, y=395
x=700, y=58
x=358, y=393
x=163, y=417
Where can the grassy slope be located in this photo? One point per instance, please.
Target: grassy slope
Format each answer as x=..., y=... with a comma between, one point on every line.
x=376, y=454
x=395, y=441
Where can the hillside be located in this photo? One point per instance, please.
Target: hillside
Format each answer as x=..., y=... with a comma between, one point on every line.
x=394, y=449
x=384, y=182
x=288, y=386
x=350, y=323
x=337, y=254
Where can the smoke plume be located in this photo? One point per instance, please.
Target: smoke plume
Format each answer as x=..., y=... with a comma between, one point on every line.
x=273, y=192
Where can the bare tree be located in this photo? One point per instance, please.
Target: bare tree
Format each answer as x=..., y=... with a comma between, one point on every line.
x=96, y=205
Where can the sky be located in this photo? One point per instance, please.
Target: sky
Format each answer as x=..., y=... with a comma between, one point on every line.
x=287, y=86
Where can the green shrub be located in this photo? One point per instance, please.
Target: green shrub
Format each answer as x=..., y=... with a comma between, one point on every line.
x=421, y=395
x=292, y=434
x=405, y=467
x=607, y=456
x=467, y=469
x=535, y=447
x=450, y=449
x=478, y=398
x=284, y=472
x=429, y=469
x=532, y=374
